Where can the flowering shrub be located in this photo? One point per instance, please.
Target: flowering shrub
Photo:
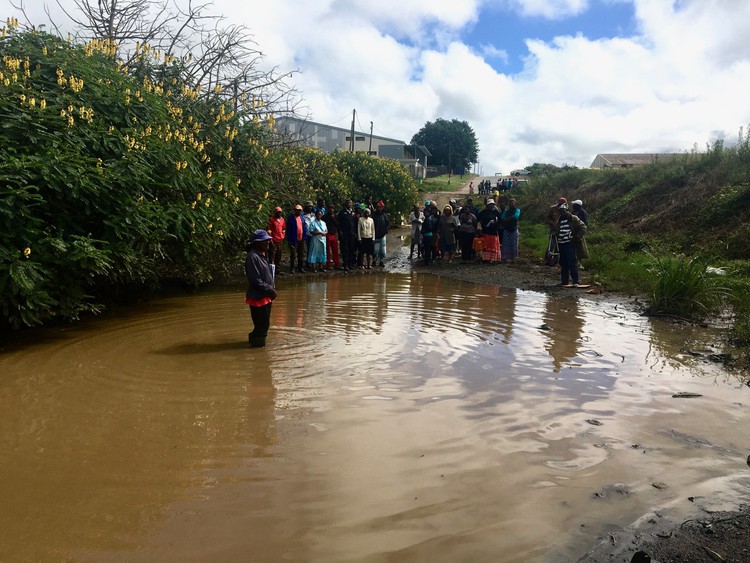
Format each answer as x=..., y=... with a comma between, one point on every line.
x=114, y=176
x=111, y=177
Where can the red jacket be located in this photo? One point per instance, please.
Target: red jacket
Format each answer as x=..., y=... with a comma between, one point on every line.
x=277, y=229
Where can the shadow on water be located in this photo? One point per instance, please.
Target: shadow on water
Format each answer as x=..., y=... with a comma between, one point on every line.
x=391, y=416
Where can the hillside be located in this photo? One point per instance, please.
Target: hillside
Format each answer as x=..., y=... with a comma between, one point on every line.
x=699, y=203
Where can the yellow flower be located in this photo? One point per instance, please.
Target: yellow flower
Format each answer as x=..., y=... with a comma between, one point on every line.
x=42, y=104
x=210, y=226
x=27, y=252
x=199, y=196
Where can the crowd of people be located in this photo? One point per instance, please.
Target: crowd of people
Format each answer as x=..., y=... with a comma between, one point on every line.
x=320, y=237
x=484, y=187
x=489, y=235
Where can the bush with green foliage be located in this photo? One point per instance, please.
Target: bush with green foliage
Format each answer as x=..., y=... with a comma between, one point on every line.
x=115, y=177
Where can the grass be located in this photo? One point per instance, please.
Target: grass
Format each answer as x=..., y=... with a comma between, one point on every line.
x=445, y=183
x=684, y=287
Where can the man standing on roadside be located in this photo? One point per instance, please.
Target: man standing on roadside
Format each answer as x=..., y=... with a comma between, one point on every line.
x=348, y=221
x=277, y=230
x=296, y=235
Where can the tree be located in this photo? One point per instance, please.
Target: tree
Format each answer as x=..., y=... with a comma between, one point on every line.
x=156, y=37
x=452, y=143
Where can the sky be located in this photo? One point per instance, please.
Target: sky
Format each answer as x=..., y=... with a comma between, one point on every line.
x=552, y=81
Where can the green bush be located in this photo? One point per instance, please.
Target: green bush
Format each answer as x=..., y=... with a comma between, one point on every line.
x=684, y=287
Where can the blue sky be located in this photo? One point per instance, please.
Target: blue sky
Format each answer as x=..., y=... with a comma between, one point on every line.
x=507, y=30
x=554, y=81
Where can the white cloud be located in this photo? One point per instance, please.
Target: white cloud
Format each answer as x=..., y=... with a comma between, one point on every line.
x=679, y=81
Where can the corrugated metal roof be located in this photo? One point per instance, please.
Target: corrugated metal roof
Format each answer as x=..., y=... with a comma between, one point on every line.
x=634, y=159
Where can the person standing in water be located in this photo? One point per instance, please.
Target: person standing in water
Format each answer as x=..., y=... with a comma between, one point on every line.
x=260, y=290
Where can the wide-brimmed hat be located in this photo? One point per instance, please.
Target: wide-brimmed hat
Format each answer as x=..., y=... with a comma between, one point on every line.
x=577, y=202
x=260, y=235
x=490, y=201
x=562, y=206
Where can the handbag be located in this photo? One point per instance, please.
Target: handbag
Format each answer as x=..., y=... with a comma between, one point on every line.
x=552, y=256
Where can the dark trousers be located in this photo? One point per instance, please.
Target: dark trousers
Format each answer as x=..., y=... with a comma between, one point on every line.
x=274, y=253
x=568, y=263
x=297, y=250
x=429, y=250
x=349, y=250
x=261, y=323
x=467, y=245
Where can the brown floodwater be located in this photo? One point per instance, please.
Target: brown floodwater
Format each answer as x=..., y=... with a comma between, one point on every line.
x=397, y=417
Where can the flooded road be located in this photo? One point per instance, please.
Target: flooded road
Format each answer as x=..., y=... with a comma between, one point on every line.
x=394, y=417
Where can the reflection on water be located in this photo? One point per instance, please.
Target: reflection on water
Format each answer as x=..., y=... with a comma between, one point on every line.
x=391, y=416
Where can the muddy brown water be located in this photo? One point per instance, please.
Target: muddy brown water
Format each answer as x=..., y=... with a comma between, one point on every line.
x=393, y=416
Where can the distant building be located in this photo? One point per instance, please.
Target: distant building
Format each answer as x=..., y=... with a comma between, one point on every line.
x=329, y=139
x=411, y=157
x=629, y=160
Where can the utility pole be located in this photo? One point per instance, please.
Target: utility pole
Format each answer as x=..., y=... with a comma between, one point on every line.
x=369, y=151
x=351, y=139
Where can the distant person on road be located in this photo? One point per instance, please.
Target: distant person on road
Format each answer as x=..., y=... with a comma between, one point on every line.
x=260, y=287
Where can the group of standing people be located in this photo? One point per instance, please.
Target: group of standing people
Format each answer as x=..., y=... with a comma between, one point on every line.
x=320, y=237
x=568, y=226
x=490, y=235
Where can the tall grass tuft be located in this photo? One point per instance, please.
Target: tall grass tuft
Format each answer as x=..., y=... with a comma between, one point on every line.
x=685, y=288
